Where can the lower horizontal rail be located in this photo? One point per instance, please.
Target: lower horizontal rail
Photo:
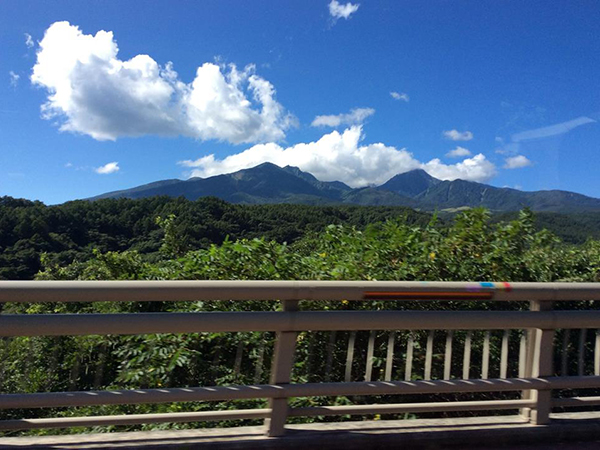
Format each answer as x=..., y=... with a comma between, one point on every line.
x=150, y=323
x=201, y=416
x=88, y=398
x=410, y=407
x=575, y=401
x=132, y=419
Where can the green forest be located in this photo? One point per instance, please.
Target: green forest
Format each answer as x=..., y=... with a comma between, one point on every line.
x=75, y=230
x=162, y=239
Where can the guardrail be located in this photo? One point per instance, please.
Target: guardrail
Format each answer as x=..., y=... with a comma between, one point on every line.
x=536, y=379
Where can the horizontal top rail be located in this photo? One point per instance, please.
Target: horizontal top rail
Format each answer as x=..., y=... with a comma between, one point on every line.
x=121, y=291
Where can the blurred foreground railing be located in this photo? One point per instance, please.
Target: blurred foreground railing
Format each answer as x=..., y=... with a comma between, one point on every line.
x=536, y=345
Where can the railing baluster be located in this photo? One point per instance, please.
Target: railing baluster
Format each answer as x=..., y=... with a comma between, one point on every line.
x=485, y=361
x=100, y=365
x=542, y=367
x=529, y=360
x=329, y=360
x=350, y=357
x=467, y=356
x=428, y=355
x=522, y=354
x=597, y=354
x=448, y=355
x=564, y=353
x=504, y=355
x=237, y=365
x=281, y=372
x=312, y=337
x=581, y=352
x=389, y=360
x=370, y=350
x=409, y=357
x=258, y=368
x=3, y=347
x=73, y=374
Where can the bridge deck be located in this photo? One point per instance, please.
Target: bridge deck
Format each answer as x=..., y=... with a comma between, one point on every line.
x=578, y=429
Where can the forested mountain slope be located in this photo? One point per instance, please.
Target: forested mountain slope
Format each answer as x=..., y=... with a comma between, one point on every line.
x=268, y=183
x=72, y=230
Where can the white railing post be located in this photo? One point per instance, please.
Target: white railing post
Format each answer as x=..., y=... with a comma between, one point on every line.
x=542, y=366
x=281, y=372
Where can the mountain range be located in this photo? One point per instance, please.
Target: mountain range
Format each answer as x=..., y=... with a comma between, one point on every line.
x=269, y=183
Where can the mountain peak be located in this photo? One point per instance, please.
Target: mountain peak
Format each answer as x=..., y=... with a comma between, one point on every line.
x=421, y=172
x=411, y=183
x=262, y=170
x=266, y=166
x=296, y=171
x=269, y=183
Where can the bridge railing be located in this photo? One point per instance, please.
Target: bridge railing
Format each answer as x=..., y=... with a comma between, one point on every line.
x=536, y=330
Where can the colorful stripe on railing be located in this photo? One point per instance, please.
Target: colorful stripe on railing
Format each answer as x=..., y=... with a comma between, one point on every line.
x=476, y=291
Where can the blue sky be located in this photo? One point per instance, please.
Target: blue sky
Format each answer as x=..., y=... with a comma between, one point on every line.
x=510, y=87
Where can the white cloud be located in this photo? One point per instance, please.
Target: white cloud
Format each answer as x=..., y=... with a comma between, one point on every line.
x=354, y=117
x=400, y=96
x=455, y=135
x=340, y=157
x=14, y=78
x=552, y=130
x=111, y=167
x=68, y=165
x=28, y=40
x=97, y=94
x=458, y=152
x=477, y=168
x=339, y=11
x=517, y=162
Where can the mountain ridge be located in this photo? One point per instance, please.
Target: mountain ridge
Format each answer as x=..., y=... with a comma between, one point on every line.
x=269, y=183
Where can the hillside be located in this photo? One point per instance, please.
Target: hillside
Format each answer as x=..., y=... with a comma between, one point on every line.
x=73, y=230
x=460, y=194
x=268, y=183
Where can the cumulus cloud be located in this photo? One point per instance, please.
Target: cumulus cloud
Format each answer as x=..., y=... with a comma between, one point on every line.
x=517, y=162
x=458, y=152
x=354, y=117
x=14, y=78
x=340, y=157
x=340, y=11
x=93, y=92
x=455, y=135
x=477, y=168
x=400, y=96
x=28, y=40
x=106, y=169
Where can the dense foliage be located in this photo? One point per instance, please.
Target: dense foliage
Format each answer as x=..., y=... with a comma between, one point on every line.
x=575, y=228
x=471, y=249
x=72, y=231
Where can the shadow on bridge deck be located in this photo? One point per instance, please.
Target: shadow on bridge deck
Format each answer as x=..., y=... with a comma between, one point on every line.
x=579, y=430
